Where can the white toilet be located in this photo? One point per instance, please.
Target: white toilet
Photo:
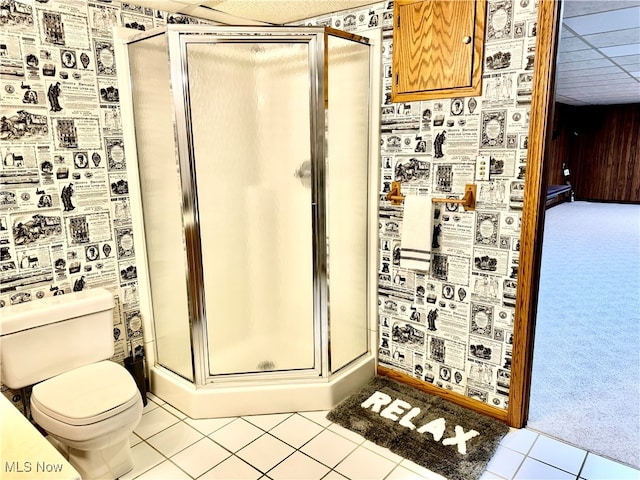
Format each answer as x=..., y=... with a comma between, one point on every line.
x=88, y=404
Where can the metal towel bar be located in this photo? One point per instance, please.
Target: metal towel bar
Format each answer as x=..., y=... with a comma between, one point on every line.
x=468, y=201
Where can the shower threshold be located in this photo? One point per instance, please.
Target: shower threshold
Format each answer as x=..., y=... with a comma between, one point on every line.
x=231, y=399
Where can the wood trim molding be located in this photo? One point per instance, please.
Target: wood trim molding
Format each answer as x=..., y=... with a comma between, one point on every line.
x=541, y=122
x=453, y=397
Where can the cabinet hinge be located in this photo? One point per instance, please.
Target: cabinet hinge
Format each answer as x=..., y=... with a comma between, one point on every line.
x=397, y=75
x=398, y=22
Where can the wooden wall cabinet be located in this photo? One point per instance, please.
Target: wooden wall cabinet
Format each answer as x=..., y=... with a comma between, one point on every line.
x=437, y=49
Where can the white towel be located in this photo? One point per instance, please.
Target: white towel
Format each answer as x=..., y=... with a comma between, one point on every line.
x=417, y=229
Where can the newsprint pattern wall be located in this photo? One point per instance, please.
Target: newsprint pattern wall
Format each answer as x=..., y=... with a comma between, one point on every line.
x=453, y=326
x=64, y=205
x=65, y=221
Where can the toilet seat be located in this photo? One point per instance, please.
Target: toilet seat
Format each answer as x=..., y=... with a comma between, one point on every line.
x=87, y=402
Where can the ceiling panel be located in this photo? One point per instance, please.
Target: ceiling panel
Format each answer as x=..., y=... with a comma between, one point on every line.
x=585, y=80
x=573, y=8
x=578, y=56
x=621, y=50
x=599, y=53
x=282, y=11
x=604, y=21
x=616, y=37
x=584, y=64
x=628, y=60
x=573, y=43
x=595, y=72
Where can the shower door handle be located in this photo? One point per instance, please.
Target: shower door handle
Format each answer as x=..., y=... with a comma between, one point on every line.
x=303, y=173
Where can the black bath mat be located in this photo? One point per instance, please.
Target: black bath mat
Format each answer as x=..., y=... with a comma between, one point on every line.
x=439, y=435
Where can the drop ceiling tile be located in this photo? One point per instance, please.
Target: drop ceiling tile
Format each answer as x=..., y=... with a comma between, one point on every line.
x=622, y=50
x=584, y=65
x=570, y=101
x=567, y=93
x=283, y=11
x=630, y=84
x=571, y=44
x=617, y=37
x=597, y=100
x=631, y=93
x=202, y=12
x=590, y=95
x=573, y=90
x=626, y=98
x=631, y=69
x=609, y=102
x=587, y=80
x=605, y=21
x=575, y=8
x=562, y=74
x=581, y=92
x=629, y=90
x=628, y=60
x=597, y=92
x=577, y=56
x=594, y=98
x=610, y=77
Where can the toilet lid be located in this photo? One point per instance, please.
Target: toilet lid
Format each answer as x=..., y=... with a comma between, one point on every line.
x=87, y=394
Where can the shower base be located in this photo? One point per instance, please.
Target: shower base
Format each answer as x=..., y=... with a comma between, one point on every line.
x=252, y=397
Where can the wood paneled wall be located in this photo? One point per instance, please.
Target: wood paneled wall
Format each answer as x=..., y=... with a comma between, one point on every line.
x=601, y=145
x=559, y=145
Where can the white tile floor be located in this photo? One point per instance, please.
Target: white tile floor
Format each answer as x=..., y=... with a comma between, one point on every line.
x=169, y=445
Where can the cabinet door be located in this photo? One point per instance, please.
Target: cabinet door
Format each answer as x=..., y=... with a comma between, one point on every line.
x=437, y=49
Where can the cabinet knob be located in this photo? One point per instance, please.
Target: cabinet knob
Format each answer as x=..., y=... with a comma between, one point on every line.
x=466, y=39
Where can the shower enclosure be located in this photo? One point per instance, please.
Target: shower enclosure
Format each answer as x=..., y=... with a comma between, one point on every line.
x=254, y=194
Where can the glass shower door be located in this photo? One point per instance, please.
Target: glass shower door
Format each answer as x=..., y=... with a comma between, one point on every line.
x=347, y=207
x=250, y=111
x=161, y=195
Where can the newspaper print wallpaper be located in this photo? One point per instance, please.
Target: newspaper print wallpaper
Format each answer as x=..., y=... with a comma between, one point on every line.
x=65, y=221
x=64, y=207
x=453, y=326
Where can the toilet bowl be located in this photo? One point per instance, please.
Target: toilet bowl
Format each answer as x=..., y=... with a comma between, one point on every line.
x=91, y=422
x=87, y=404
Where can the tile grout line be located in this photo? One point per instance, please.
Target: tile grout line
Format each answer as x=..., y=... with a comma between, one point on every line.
x=584, y=461
x=267, y=432
x=179, y=468
x=190, y=445
x=233, y=454
x=324, y=428
x=144, y=440
x=525, y=455
x=356, y=445
x=153, y=466
x=555, y=466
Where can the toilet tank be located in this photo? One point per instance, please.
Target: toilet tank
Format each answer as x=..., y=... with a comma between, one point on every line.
x=43, y=338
